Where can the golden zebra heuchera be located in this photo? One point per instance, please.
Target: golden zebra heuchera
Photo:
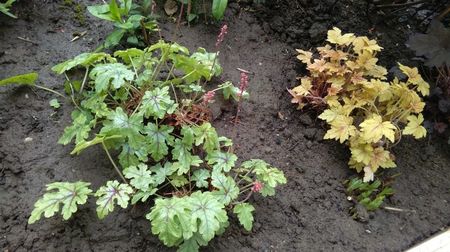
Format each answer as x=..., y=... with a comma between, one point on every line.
x=362, y=108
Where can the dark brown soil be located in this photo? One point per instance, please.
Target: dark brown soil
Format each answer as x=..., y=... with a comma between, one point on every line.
x=310, y=213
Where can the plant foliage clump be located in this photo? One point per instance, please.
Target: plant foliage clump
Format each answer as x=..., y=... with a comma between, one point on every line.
x=149, y=106
x=4, y=8
x=362, y=108
x=132, y=22
x=370, y=195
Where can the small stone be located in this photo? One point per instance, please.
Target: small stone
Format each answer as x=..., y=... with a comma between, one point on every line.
x=278, y=141
x=268, y=150
x=362, y=213
x=28, y=139
x=305, y=119
x=309, y=144
x=310, y=133
x=300, y=169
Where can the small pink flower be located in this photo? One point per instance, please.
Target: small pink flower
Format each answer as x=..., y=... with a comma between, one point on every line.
x=243, y=84
x=257, y=186
x=223, y=32
x=209, y=97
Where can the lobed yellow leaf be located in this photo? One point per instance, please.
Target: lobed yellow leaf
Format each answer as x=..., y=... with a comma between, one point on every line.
x=335, y=37
x=319, y=65
x=329, y=115
x=362, y=153
x=304, y=87
x=364, y=43
x=366, y=60
x=374, y=129
x=353, y=164
x=304, y=56
x=414, y=126
x=341, y=129
x=414, y=78
x=377, y=72
x=380, y=158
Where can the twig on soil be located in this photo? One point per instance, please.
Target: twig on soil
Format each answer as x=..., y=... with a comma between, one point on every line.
x=243, y=70
x=398, y=209
x=80, y=35
x=400, y=5
x=28, y=40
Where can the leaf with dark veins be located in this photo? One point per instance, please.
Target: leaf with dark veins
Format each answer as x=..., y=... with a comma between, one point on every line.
x=109, y=194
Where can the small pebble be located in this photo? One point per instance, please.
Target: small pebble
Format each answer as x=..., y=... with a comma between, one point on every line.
x=28, y=139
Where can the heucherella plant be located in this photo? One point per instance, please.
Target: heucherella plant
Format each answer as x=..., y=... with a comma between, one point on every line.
x=152, y=107
x=362, y=108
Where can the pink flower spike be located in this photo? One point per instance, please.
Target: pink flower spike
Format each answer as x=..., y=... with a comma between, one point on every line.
x=257, y=186
x=209, y=97
x=223, y=32
x=243, y=84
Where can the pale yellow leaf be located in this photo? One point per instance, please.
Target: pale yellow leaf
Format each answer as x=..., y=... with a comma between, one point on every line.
x=374, y=129
x=414, y=126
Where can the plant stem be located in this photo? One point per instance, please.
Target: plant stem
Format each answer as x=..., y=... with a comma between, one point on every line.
x=113, y=163
x=144, y=32
x=84, y=79
x=214, y=64
x=72, y=96
x=236, y=120
x=247, y=186
x=243, y=176
x=50, y=90
x=171, y=84
x=244, y=200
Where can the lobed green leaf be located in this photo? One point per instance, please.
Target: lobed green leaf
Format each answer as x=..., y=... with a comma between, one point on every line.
x=70, y=195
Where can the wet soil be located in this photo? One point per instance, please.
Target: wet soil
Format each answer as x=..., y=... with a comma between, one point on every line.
x=309, y=213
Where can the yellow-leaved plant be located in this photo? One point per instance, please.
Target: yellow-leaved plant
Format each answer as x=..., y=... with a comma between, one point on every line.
x=362, y=108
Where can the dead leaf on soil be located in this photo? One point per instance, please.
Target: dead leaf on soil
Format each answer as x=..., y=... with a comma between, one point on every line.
x=281, y=116
x=434, y=45
x=170, y=7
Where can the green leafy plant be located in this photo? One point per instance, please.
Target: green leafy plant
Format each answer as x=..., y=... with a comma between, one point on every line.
x=195, y=8
x=4, y=8
x=152, y=107
x=370, y=195
x=132, y=22
x=54, y=103
x=362, y=108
